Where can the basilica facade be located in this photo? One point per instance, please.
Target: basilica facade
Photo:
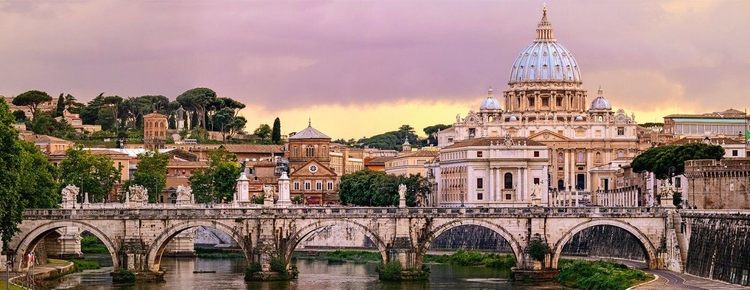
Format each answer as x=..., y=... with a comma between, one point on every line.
x=544, y=105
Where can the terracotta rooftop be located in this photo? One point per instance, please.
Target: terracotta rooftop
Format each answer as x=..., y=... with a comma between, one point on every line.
x=421, y=153
x=36, y=138
x=254, y=148
x=379, y=161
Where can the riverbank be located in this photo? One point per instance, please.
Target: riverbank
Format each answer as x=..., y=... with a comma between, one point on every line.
x=601, y=274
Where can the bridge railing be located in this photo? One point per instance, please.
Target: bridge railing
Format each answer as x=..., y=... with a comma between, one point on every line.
x=202, y=211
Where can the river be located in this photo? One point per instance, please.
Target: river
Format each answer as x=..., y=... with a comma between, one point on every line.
x=316, y=274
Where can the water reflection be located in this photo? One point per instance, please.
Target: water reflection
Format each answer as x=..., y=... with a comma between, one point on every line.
x=179, y=274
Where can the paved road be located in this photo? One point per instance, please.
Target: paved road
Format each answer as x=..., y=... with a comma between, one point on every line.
x=668, y=280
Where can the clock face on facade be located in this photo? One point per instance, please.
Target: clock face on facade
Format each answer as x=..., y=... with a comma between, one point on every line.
x=313, y=168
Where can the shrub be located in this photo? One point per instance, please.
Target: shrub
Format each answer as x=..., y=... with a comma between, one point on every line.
x=390, y=271
x=538, y=250
x=123, y=276
x=80, y=265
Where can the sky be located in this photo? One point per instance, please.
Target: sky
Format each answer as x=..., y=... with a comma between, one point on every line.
x=359, y=68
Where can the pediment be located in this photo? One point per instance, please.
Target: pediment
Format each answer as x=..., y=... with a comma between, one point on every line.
x=312, y=168
x=547, y=135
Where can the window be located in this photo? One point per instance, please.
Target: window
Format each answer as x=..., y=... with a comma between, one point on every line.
x=536, y=153
x=296, y=152
x=536, y=180
x=472, y=132
x=678, y=182
x=330, y=185
x=580, y=157
x=479, y=153
x=508, y=181
x=531, y=102
x=296, y=186
x=507, y=196
x=735, y=153
x=620, y=131
x=307, y=185
x=310, y=151
x=480, y=196
x=318, y=185
x=480, y=183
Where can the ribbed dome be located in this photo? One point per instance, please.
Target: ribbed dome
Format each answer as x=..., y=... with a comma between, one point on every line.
x=545, y=59
x=600, y=103
x=490, y=103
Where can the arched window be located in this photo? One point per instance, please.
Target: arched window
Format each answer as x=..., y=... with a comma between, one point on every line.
x=580, y=157
x=325, y=152
x=508, y=181
x=310, y=151
x=620, y=154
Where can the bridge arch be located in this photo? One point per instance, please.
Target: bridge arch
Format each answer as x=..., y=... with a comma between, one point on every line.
x=442, y=228
x=648, y=248
x=296, y=237
x=160, y=243
x=31, y=239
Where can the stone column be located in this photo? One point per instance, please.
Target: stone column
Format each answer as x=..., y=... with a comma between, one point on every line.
x=491, y=192
x=284, y=199
x=518, y=184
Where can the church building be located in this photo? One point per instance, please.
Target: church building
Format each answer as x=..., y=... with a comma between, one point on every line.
x=312, y=179
x=545, y=104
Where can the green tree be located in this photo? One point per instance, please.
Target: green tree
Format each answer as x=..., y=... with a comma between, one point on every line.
x=197, y=99
x=227, y=123
x=276, y=131
x=660, y=159
x=152, y=173
x=263, y=131
x=38, y=178
x=32, y=99
x=218, y=182
x=60, y=106
x=90, y=114
x=432, y=131
x=11, y=151
x=92, y=173
x=19, y=115
x=375, y=188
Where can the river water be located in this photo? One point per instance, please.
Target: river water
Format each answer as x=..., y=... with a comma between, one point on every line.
x=317, y=275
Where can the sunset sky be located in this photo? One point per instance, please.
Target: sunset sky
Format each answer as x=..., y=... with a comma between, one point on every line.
x=359, y=68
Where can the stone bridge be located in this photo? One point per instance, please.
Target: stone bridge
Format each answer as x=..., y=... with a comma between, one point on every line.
x=137, y=237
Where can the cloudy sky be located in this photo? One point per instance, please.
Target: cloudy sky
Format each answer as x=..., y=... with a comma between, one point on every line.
x=359, y=68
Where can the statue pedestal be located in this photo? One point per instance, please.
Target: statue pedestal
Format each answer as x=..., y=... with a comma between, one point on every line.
x=667, y=202
x=536, y=200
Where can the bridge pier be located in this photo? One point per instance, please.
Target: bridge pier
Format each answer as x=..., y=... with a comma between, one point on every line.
x=134, y=258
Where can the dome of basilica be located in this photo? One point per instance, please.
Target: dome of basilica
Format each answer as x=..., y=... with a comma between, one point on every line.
x=600, y=103
x=490, y=103
x=545, y=59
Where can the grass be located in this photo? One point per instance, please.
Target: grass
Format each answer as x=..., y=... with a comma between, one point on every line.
x=80, y=265
x=12, y=287
x=91, y=245
x=599, y=275
x=341, y=256
x=474, y=258
x=217, y=254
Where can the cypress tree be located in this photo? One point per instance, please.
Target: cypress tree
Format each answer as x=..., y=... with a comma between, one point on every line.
x=276, y=132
